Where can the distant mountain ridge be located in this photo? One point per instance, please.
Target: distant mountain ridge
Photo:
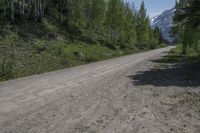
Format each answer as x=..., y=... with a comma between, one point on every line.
x=164, y=22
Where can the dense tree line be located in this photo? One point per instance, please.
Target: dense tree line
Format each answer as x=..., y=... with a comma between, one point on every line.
x=114, y=23
x=187, y=28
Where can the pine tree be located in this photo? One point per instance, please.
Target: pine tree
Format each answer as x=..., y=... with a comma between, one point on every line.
x=143, y=27
x=187, y=23
x=96, y=13
x=76, y=16
x=128, y=31
x=113, y=21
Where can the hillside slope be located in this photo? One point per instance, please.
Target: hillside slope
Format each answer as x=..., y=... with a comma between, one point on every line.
x=39, y=36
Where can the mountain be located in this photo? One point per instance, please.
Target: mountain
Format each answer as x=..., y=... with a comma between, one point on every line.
x=164, y=22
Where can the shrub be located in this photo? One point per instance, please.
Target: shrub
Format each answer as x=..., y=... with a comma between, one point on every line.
x=48, y=26
x=10, y=39
x=6, y=69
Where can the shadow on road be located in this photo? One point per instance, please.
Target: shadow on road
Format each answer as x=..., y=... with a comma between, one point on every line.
x=166, y=73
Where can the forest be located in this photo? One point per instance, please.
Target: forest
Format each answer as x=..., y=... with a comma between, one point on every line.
x=39, y=36
x=187, y=26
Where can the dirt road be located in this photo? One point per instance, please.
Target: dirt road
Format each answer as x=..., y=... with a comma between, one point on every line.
x=100, y=97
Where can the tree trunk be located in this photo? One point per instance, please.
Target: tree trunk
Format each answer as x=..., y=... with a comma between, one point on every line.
x=35, y=10
x=12, y=11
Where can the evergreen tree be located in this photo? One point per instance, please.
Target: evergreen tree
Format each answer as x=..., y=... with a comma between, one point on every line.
x=76, y=16
x=187, y=23
x=95, y=10
x=128, y=31
x=143, y=26
x=112, y=22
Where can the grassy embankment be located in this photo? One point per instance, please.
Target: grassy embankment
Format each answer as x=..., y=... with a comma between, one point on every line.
x=187, y=66
x=175, y=55
x=31, y=49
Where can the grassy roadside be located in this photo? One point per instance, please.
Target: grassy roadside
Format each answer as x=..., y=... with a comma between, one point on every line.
x=48, y=55
x=23, y=54
x=34, y=48
x=177, y=69
x=173, y=69
x=175, y=56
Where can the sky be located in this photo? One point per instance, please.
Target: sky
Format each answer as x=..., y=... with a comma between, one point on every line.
x=155, y=7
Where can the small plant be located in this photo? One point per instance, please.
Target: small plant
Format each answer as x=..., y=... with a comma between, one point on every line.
x=40, y=46
x=6, y=69
x=10, y=39
x=48, y=26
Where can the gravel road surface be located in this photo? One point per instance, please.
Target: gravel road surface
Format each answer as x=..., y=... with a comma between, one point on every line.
x=100, y=97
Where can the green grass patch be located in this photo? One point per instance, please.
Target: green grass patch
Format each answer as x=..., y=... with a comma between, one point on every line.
x=20, y=59
x=28, y=50
x=175, y=55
